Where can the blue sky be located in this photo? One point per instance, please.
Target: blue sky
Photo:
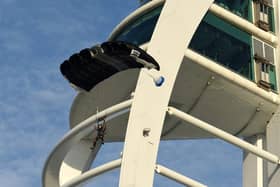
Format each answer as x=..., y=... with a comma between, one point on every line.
x=35, y=37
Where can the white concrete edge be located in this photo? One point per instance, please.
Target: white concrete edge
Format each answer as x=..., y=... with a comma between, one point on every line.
x=50, y=176
x=277, y=29
x=215, y=9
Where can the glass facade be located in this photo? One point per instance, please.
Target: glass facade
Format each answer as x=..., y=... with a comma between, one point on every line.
x=215, y=39
x=141, y=30
x=241, y=8
x=223, y=43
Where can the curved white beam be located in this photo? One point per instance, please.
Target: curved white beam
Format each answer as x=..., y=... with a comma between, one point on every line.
x=174, y=30
x=161, y=170
x=52, y=166
x=78, y=160
x=93, y=173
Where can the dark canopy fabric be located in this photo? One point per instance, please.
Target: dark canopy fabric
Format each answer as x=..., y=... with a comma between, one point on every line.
x=93, y=65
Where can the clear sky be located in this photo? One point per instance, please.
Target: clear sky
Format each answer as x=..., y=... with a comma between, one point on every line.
x=35, y=37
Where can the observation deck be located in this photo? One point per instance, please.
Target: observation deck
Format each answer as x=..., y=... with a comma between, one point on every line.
x=221, y=80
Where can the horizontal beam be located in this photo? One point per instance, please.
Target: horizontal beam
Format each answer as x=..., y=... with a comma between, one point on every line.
x=224, y=135
x=228, y=75
x=231, y=76
x=117, y=163
x=177, y=177
x=93, y=173
x=243, y=24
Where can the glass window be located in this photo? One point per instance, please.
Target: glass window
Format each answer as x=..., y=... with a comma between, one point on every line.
x=214, y=38
x=142, y=2
x=264, y=11
x=238, y=7
x=264, y=15
x=141, y=30
x=226, y=46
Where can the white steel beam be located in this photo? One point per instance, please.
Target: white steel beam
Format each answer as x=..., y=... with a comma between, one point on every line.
x=177, y=177
x=175, y=28
x=78, y=160
x=253, y=166
x=224, y=135
x=93, y=173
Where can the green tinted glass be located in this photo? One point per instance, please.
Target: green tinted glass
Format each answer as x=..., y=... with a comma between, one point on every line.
x=214, y=38
x=238, y=7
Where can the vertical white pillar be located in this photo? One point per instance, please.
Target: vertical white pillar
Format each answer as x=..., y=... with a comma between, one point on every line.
x=273, y=127
x=253, y=166
x=273, y=146
x=175, y=28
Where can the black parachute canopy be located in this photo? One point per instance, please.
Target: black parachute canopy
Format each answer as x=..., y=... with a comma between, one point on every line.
x=93, y=65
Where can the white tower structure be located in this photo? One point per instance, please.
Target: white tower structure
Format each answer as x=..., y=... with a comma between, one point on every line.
x=220, y=60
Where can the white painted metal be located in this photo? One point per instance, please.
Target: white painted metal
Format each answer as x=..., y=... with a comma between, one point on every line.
x=82, y=178
x=224, y=135
x=78, y=160
x=175, y=28
x=238, y=93
x=277, y=30
x=53, y=164
x=260, y=165
x=253, y=166
x=177, y=177
x=93, y=173
x=273, y=127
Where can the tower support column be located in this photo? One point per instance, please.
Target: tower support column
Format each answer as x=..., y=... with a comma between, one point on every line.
x=273, y=146
x=174, y=30
x=253, y=166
